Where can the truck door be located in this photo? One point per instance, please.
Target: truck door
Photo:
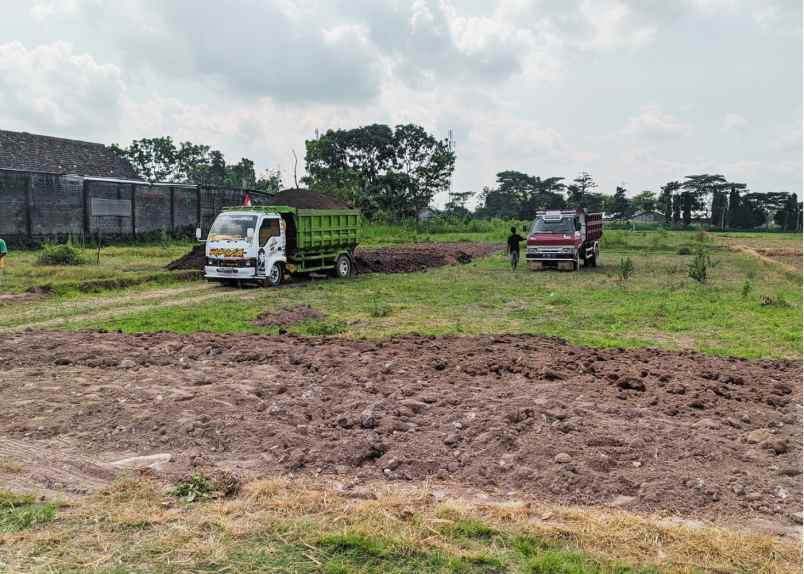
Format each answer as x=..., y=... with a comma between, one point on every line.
x=271, y=241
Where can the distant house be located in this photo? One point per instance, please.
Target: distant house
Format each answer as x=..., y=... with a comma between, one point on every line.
x=647, y=217
x=24, y=152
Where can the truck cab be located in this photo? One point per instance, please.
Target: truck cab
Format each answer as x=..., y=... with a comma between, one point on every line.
x=564, y=239
x=246, y=245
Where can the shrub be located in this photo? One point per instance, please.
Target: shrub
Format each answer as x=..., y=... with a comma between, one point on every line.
x=625, y=269
x=699, y=265
x=684, y=250
x=379, y=310
x=746, y=290
x=63, y=254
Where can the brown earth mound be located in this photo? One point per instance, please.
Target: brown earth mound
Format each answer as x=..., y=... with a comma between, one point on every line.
x=305, y=199
x=196, y=258
x=407, y=258
x=643, y=429
x=286, y=317
x=398, y=259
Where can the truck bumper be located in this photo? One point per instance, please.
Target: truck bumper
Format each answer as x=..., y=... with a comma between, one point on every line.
x=218, y=273
x=551, y=263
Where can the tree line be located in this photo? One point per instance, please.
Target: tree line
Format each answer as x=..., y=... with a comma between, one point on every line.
x=709, y=198
x=161, y=160
x=393, y=173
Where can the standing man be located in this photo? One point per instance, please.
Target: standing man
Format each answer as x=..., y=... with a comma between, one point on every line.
x=513, y=247
x=3, y=253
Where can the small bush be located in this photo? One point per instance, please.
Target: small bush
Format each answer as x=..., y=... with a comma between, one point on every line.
x=746, y=290
x=197, y=487
x=699, y=265
x=379, y=310
x=63, y=254
x=324, y=328
x=626, y=269
x=684, y=250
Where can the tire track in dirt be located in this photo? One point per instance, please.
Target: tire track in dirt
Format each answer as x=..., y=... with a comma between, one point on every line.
x=754, y=253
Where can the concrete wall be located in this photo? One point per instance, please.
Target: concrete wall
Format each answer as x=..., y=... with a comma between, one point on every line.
x=36, y=207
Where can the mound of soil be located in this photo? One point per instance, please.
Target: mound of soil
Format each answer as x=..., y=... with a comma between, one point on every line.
x=305, y=199
x=195, y=259
x=399, y=259
x=643, y=429
x=286, y=317
x=407, y=258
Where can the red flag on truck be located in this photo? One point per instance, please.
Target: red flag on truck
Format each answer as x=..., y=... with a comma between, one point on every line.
x=247, y=201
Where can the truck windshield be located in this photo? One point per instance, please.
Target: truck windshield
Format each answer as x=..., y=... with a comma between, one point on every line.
x=564, y=225
x=231, y=226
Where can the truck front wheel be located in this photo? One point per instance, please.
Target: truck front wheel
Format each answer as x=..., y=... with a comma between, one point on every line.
x=275, y=275
x=343, y=267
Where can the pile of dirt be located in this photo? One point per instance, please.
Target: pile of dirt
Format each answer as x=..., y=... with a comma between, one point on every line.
x=287, y=317
x=305, y=199
x=643, y=429
x=195, y=259
x=419, y=257
x=397, y=259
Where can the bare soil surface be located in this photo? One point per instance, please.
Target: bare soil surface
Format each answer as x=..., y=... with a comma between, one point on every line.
x=397, y=259
x=419, y=257
x=287, y=317
x=645, y=430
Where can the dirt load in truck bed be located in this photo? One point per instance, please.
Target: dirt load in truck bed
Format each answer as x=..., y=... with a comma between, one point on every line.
x=641, y=429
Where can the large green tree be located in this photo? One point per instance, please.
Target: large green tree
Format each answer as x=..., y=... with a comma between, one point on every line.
x=695, y=191
x=382, y=170
x=668, y=202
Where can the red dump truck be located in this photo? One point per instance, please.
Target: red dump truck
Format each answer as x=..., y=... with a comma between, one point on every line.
x=564, y=239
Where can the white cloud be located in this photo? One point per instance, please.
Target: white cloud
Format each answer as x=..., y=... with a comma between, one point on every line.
x=55, y=88
x=653, y=123
x=733, y=122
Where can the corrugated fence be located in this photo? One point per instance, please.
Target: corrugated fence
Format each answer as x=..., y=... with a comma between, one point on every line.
x=36, y=207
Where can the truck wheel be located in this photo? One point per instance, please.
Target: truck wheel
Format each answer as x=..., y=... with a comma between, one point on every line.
x=593, y=258
x=275, y=275
x=343, y=267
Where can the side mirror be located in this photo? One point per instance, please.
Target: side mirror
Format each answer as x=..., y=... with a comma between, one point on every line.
x=250, y=232
x=198, y=234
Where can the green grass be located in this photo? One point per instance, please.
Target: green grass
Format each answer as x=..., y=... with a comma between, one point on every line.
x=496, y=230
x=121, y=264
x=20, y=512
x=659, y=306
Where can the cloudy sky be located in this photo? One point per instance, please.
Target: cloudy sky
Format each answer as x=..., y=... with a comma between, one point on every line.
x=633, y=91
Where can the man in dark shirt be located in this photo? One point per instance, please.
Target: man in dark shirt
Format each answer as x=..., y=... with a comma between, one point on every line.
x=513, y=247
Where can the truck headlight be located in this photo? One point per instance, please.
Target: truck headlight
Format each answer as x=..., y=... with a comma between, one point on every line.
x=567, y=249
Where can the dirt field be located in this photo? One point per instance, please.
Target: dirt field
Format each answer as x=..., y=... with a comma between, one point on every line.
x=519, y=415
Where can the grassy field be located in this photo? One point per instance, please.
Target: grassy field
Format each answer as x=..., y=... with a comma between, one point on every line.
x=118, y=264
x=747, y=308
x=306, y=527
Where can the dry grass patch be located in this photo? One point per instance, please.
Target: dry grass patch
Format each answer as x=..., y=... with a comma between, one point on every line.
x=307, y=526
